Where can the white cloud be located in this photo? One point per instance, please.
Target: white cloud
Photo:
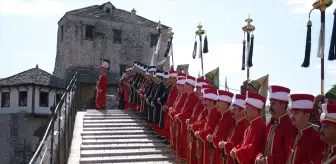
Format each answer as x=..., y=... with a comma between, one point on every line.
x=304, y=6
x=33, y=8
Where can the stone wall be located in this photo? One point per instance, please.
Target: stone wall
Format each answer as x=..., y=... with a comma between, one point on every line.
x=17, y=140
x=74, y=51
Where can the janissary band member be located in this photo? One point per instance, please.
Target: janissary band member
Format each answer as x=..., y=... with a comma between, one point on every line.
x=328, y=133
x=102, y=87
x=223, y=128
x=210, y=97
x=162, y=100
x=196, y=120
x=331, y=99
x=254, y=138
x=278, y=130
x=123, y=90
x=170, y=100
x=237, y=134
x=180, y=118
x=178, y=104
x=307, y=145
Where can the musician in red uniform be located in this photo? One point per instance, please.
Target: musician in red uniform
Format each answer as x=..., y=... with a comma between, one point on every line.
x=278, y=129
x=178, y=104
x=212, y=119
x=102, y=87
x=254, y=139
x=328, y=132
x=180, y=119
x=306, y=145
x=224, y=127
x=237, y=134
x=199, y=107
x=196, y=122
x=171, y=98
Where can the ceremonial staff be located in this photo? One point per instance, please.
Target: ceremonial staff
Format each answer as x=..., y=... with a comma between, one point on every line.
x=159, y=27
x=248, y=47
x=322, y=6
x=205, y=49
x=169, y=50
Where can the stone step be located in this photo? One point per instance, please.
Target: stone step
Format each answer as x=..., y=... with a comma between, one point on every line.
x=115, y=128
x=146, y=162
x=120, y=136
x=125, y=152
x=116, y=141
x=117, y=132
x=135, y=158
x=113, y=121
x=109, y=117
x=123, y=146
x=103, y=111
x=86, y=125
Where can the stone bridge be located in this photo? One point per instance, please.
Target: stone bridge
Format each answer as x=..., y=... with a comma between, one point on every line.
x=83, y=136
x=116, y=136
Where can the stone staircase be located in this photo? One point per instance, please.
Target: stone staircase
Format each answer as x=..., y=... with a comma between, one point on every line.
x=116, y=136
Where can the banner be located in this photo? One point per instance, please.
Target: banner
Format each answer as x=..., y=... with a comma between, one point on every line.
x=213, y=77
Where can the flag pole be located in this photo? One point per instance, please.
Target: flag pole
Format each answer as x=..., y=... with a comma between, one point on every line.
x=199, y=32
x=159, y=27
x=248, y=29
x=170, y=35
x=321, y=5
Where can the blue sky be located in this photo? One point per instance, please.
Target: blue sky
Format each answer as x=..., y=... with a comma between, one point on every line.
x=28, y=30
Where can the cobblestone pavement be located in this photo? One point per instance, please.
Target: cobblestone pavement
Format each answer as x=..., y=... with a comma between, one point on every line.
x=116, y=136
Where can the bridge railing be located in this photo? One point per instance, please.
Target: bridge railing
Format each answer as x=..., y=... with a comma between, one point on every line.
x=55, y=145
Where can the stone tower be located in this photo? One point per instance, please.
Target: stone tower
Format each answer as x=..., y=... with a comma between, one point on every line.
x=89, y=35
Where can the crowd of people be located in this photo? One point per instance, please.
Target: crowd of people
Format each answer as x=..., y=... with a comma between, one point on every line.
x=205, y=125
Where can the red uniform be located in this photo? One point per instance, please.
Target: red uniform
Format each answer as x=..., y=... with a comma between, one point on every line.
x=127, y=104
x=307, y=146
x=235, y=139
x=185, y=113
x=192, y=153
x=101, y=91
x=253, y=143
x=221, y=133
x=328, y=117
x=176, y=109
x=199, y=107
x=169, y=103
x=211, y=121
x=278, y=141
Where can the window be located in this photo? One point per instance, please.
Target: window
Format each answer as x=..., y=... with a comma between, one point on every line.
x=108, y=10
x=58, y=97
x=5, y=99
x=23, y=96
x=122, y=69
x=89, y=32
x=153, y=40
x=44, y=99
x=117, y=36
x=107, y=61
x=62, y=33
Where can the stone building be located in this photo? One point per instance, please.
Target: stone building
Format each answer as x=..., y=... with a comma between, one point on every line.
x=98, y=33
x=25, y=101
x=33, y=91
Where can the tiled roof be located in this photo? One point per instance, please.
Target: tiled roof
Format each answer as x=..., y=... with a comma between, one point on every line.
x=119, y=15
x=33, y=76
